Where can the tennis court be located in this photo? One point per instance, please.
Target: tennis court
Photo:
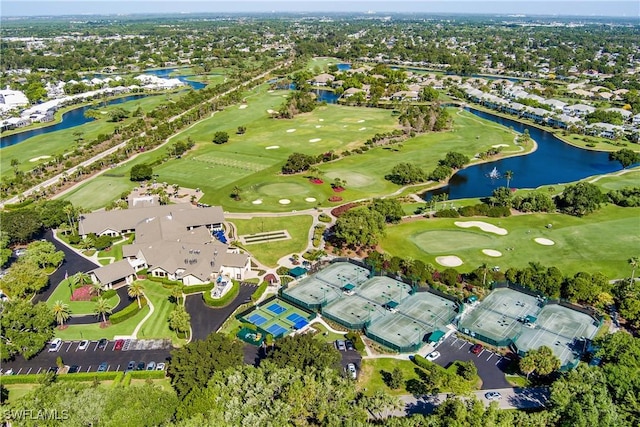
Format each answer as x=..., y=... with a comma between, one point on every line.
x=340, y=274
x=495, y=319
x=353, y=311
x=278, y=318
x=561, y=329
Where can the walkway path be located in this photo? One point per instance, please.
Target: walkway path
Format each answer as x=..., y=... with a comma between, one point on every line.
x=134, y=334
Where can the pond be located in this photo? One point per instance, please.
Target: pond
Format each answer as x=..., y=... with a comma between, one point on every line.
x=552, y=163
x=76, y=116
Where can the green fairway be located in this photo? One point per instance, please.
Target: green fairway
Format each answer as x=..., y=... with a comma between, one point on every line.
x=602, y=241
x=269, y=253
x=98, y=192
x=63, y=293
x=631, y=178
x=63, y=141
x=321, y=64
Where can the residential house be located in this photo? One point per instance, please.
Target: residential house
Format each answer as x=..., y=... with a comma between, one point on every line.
x=579, y=110
x=605, y=130
x=635, y=121
x=322, y=80
x=626, y=114
x=563, y=121
x=115, y=275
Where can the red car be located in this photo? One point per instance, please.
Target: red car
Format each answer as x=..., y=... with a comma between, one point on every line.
x=476, y=349
x=118, y=345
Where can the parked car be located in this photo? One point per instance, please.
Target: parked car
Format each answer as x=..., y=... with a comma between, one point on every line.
x=340, y=345
x=55, y=344
x=151, y=366
x=141, y=366
x=73, y=369
x=84, y=344
x=103, y=367
x=119, y=344
x=476, y=349
x=349, y=345
x=433, y=356
x=131, y=366
x=102, y=343
x=493, y=395
x=351, y=369
x=160, y=366
x=8, y=372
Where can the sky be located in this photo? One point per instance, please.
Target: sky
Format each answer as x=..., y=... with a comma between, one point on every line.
x=628, y=8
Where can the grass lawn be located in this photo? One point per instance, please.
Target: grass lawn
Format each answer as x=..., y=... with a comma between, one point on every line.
x=580, y=243
x=95, y=332
x=157, y=326
x=269, y=253
x=63, y=293
x=329, y=337
x=16, y=391
x=100, y=191
x=601, y=144
x=322, y=63
x=631, y=178
x=63, y=141
x=517, y=380
x=370, y=379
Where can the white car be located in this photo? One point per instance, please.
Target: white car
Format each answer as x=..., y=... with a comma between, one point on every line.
x=353, y=373
x=83, y=345
x=160, y=366
x=493, y=395
x=55, y=344
x=432, y=356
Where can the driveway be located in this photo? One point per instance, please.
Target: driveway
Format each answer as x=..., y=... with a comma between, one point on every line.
x=72, y=264
x=205, y=319
x=491, y=366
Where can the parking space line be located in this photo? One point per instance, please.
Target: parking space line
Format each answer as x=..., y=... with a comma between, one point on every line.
x=89, y=368
x=29, y=371
x=454, y=341
x=69, y=348
x=96, y=347
x=463, y=344
x=499, y=360
x=490, y=356
x=39, y=369
x=118, y=368
x=19, y=370
x=480, y=353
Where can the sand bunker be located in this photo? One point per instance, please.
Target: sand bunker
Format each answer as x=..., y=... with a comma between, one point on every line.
x=310, y=199
x=362, y=129
x=284, y=201
x=500, y=145
x=272, y=147
x=290, y=130
x=360, y=121
x=449, y=261
x=489, y=228
x=36, y=159
x=271, y=111
x=315, y=140
x=318, y=126
x=321, y=120
x=543, y=241
x=492, y=252
x=242, y=107
x=257, y=202
x=270, y=91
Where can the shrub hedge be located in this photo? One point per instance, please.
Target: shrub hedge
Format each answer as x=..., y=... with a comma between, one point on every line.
x=188, y=290
x=80, y=376
x=118, y=379
x=109, y=293
x=127, y=380
x=163, y=280
x=226, y=299
x=259, y=291
x=356, y=340
x=127, y=312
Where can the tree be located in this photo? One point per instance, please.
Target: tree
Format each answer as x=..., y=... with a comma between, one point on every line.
x=61, y=312
x=633, y=262
x=25, y=328
x=454, y=160
x=141, y=172
x=235, y=193
x=508, y=175
x=194, y=364
x=43, y=254
x=391, y=209
x=180, y=320
x=136, y=290
x=102, y=308
x=5, y=251
x=543, y=361
x=177, y=293
x=241, y=130
x=297, y=162
x=406, y=173
x=360, y=226
x=79, y=279
x=381, y=404
x=97, y=288
x=625, y=156
x=53, y=212
x=220, y=137
x=580, y=199
x=428, y=94
x=21, y=225
x=23, y=278
x=118, y=114
x=396, y=378
x=304, y=352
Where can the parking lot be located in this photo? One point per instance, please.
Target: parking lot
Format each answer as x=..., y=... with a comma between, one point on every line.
x=89, y=359
x=491, y=366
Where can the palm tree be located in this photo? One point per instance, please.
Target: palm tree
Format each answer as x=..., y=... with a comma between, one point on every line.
x=484, y=268
x=70, y=211
x=176, y=293
x=136, y=290
x=508, y=176
x=102, y=308
x=96, y=288
x=61, y=312
x=633, y=262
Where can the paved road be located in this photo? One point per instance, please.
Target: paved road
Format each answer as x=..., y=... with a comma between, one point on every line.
x=205, y=319
x=72, y=264
x=491, y=366
x=512, y=398
x=89, y=359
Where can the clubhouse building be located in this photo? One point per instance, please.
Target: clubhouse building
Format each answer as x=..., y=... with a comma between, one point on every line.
x=171, y=241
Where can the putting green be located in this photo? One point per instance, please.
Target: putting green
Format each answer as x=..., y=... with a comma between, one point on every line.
x=283, y=189
x=354, y=179
x=439, y=241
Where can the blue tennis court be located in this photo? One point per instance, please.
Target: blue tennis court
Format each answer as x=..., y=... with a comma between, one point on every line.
x=299, y=322
x=276, y=330
x=276, y=309
x=256, y=319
